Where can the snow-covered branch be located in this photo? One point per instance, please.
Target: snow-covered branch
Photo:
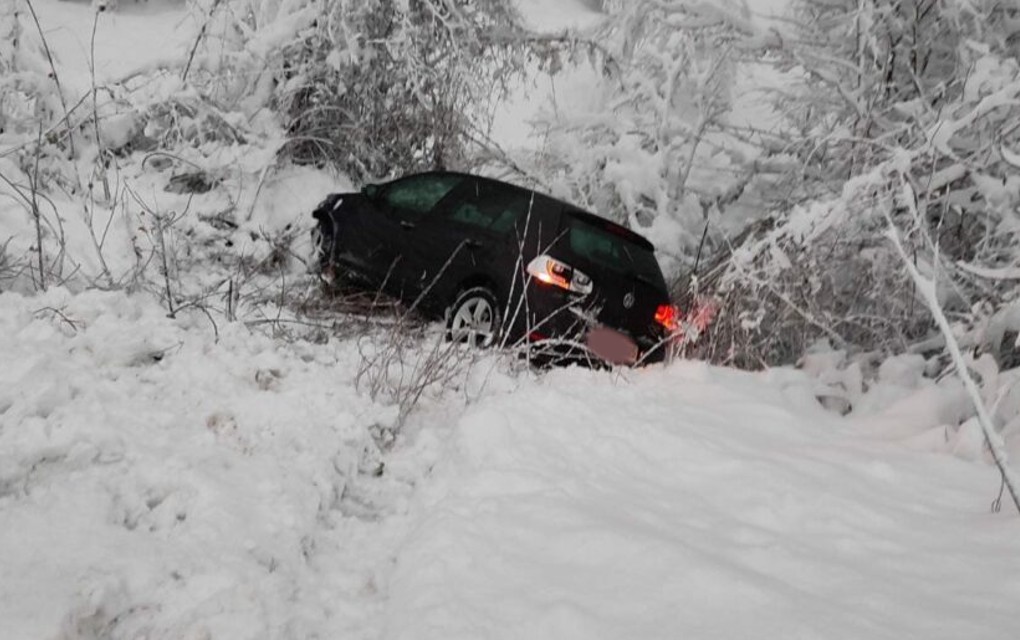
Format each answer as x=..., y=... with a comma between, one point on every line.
x=926, y=288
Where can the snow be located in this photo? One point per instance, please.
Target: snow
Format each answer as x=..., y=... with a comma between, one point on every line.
x=153, y=474
x=545, y=16
x=134, y=37
x=694, y=501
x=158, y=480
x=197, y=477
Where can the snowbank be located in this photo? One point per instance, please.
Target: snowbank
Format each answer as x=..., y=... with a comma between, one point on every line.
x=156, y=482
x=696, y=502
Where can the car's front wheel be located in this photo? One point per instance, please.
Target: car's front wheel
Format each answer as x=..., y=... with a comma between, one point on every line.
x=321, y=245
x=474, y=318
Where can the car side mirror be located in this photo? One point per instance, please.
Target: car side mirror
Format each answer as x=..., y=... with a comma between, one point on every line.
x=371, y=191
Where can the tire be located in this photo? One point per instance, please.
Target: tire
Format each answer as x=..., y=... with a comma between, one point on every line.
x=324, y=233
x=322, y=265
x=320, y=247
x=474, y=318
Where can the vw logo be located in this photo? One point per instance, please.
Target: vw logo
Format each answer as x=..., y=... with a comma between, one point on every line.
x=628, y=301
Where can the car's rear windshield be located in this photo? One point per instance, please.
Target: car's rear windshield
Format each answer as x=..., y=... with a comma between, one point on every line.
x=613, y=250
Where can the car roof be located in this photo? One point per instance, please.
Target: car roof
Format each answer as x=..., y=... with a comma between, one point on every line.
x=571, y=209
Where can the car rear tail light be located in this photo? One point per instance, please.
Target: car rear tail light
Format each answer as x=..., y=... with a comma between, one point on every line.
x=668, y=316
x=559, y=274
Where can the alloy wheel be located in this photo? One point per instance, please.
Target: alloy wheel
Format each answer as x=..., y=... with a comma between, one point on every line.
x=474, y=321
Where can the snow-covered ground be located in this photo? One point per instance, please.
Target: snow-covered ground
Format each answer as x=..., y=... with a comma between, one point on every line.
x=159, y=481
x=696, y=502
x=136, y=36
x=191, y=477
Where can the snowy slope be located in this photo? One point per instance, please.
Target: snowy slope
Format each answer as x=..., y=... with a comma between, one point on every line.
x=159, y=480
x=697, y=502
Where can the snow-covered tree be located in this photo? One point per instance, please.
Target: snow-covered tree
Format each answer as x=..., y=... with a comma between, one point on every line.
x=869, y=66
x=373, y=86
x=387, y=86
x=29, y=97
x=904, y=107
x=651, y=144
x=10, y=28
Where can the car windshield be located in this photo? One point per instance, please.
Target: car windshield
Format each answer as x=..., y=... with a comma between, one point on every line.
x=614, y=251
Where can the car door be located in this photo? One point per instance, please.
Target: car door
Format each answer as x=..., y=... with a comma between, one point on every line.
x=467, y=235
x=397, y=209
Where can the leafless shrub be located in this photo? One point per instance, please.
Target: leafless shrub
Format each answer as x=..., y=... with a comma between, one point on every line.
x=47, y=265
x=27, y=99
x=407, y=361
x=160, y=228
x=189, y=120
x=843, y=289
x=11, y=267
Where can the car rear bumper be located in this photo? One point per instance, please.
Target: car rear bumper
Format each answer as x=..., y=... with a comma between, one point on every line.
x=555, y=321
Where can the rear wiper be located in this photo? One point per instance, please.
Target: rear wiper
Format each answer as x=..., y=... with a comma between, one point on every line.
x=640, y=277
x=635, y=274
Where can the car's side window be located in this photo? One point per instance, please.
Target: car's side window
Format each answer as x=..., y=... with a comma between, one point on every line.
x=488, y=206
x=418, y=194
x=517, y=208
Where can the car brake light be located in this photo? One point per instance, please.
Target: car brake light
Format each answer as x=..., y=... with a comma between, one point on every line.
x=668, y=316
x=559, y=274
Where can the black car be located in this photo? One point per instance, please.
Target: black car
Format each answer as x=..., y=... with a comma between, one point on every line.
x=502, y=263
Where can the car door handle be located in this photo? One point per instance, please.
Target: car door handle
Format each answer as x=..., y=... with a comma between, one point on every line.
x=407, y=224
x=472, y=244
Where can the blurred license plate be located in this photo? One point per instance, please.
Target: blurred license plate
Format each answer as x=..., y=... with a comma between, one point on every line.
x=612, y=346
